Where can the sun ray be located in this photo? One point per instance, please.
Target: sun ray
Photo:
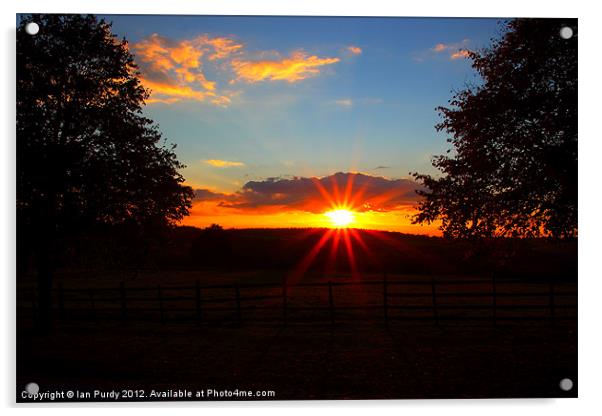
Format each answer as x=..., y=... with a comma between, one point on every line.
x=323, y=192
x=350, y=255
x=348, y=189
x=357, y=237
x=306, y=262
x=335, y=190
x=341, y=238
x=357, y=196
x=334, y=249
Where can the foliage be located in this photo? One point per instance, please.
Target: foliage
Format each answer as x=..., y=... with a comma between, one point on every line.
x=212, y=246
x=513, y=168
x=85, y=153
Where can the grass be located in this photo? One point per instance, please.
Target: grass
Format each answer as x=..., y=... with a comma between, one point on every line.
x=308, y=359
x=305, y=362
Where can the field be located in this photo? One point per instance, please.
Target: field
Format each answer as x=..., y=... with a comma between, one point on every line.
x=358, y=354
x=306, y=362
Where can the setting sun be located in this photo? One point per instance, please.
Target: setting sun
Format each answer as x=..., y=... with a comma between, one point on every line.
x=340, y=218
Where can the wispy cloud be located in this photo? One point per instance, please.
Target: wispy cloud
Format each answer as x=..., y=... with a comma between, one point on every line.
x=462, y=53
x=176, y=70
x=350, y=102
x=173, y=69
x=440, y=47
x=346, y=102
x=355, y=50
x=223, y=47
x=223, y=163
x=298, y=66
x=452, y=51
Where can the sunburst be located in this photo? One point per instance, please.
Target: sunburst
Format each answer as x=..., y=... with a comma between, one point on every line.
x=341, y=217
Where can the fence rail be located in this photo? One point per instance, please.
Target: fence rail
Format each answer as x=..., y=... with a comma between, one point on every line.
x=435, y=300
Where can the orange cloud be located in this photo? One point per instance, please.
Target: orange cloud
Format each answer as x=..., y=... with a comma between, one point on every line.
x=223, y=163
x=173, y=70
x=440, y=47
x=297, y=67
x=462, y=53
x=176, y=70
x=223, y=47
x=154, y=100
x=153, y=52
x=356, y=50
x=168, y=92
x=455, y=50
x=186, y=54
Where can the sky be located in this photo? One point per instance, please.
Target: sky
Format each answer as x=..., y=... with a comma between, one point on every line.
x=280, y=120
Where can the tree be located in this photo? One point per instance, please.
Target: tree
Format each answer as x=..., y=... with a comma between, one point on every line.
x=513, y=168
x=212, y=246
x=86, y=156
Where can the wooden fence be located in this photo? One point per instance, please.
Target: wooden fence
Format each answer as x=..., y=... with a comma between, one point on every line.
x=433, y=300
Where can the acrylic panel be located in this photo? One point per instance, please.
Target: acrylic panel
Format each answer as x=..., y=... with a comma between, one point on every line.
x=295, y=208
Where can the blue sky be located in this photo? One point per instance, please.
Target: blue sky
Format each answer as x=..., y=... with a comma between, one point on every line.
x=371, y=111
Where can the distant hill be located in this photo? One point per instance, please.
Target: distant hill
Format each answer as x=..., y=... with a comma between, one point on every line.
x=372, y=251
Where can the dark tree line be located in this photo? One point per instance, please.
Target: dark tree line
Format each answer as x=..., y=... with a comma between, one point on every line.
x=86, y=156
x=512, y=169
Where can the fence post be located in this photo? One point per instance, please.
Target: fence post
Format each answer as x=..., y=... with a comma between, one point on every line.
x=386, y=299
x=160, y=297
x=124, y=306
x=552, y=305
x=494, y=300
x=199, y=316
x=434, y=294
x=61, y=294
x=238, y=313
x=92, y=303
x=284, y=301
x=330, y=303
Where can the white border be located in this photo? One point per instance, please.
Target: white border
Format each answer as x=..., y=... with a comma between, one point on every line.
x=590, y=154
x=470, y=8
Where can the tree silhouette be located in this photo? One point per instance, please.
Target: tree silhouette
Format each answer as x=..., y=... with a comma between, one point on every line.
x=513, y=168
x=86, y=157
x=212, y=247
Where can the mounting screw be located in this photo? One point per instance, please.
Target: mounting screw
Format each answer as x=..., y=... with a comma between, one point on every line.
x=566, y=384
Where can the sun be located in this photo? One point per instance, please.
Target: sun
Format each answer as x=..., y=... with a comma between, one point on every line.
x=340, y=218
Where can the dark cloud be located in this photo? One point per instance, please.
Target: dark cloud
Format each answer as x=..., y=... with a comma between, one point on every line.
x=356, y=190
x=207, y=195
